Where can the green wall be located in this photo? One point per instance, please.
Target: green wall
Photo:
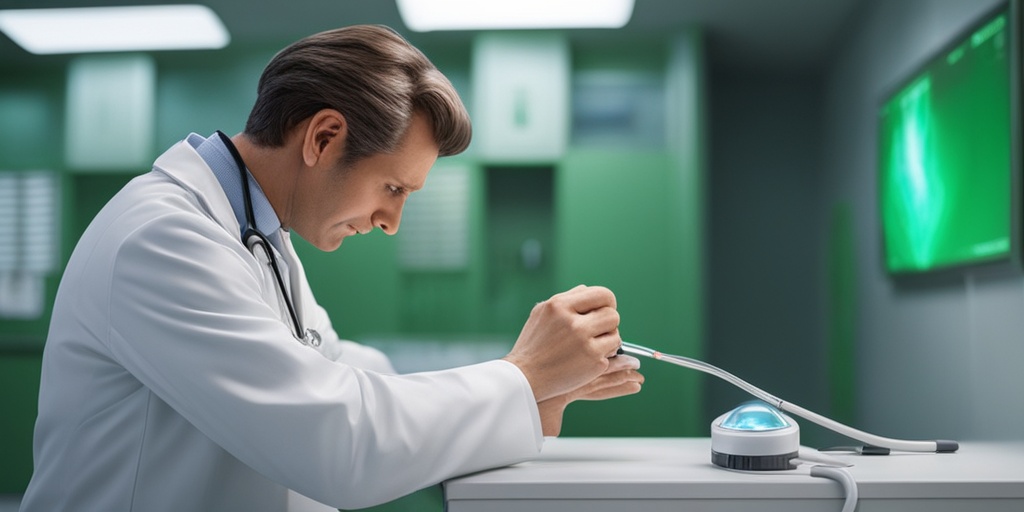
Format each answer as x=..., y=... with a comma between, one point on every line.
x=19, y=386
x=30, y=116
x=616, y=228
x=842, y=313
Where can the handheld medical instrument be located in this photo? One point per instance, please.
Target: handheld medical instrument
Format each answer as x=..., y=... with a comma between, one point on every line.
x=253, y=238
x=937, y=446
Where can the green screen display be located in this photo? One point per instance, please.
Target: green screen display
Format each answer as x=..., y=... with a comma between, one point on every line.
x=945, y=157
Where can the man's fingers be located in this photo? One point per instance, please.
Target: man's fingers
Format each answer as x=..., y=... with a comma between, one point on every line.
x=584, y=299
x=610, y=385
x=608, y=344
x=622, y=362
x=602, y=320
x=567, y=341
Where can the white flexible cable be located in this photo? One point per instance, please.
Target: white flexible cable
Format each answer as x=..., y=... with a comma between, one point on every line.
x=864, y=437
x=844, y=478
x=802, y=469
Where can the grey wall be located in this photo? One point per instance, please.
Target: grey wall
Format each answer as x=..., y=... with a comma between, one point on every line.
x=764, y=291
x=945, y=359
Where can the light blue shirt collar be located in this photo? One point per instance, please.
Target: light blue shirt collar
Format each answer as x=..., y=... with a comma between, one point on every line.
x=219, y=159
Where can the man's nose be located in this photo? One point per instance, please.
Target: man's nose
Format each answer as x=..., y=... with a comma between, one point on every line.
x=388, y=221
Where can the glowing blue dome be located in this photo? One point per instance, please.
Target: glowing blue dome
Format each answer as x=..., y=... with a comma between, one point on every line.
x=756, y=416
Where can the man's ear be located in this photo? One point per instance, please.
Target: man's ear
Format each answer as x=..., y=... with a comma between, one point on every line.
x=325, y=135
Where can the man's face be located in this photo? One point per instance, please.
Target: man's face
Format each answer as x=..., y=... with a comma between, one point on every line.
x=369, y=194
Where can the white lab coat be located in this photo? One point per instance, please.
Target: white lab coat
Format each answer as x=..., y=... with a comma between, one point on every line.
x=171, y=382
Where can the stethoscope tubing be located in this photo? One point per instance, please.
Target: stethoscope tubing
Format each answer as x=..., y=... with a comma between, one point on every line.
x=940, y=446
x=252, y=237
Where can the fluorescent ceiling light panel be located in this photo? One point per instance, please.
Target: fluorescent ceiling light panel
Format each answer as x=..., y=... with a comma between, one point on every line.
x=428, y=15
x=114, y=29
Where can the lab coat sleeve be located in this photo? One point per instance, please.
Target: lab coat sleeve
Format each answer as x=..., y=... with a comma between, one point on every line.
x=365, y=357
x=188, y=320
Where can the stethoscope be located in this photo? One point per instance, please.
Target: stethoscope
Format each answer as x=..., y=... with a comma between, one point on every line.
x=253, y=238
x=758, y=437
x=874, y=445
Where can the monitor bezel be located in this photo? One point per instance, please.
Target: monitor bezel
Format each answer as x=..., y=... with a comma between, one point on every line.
x=1009, y=263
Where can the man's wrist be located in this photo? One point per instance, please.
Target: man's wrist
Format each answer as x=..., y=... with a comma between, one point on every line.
x=535, y=387
x=551, y=414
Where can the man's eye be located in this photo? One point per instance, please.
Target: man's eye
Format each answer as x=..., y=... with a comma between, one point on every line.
x=396, y=191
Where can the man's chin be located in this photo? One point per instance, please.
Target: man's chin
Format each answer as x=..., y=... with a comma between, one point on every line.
x=328, y=245
x=333, y=246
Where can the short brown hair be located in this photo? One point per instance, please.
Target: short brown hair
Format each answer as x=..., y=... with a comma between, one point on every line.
x=370, y=74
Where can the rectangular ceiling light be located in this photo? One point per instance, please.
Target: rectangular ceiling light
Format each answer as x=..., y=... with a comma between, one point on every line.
x=114, y=29
x=429, y=15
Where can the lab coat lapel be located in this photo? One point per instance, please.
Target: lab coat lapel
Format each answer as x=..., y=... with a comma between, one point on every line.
x=183, y=164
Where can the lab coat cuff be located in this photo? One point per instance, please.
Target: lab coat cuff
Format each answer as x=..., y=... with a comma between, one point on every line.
x=530, y=402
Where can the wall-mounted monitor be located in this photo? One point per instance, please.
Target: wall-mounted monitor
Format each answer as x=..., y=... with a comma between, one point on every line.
x=947, y=154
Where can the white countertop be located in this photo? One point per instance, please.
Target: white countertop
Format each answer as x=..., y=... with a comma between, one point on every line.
x=680, y=468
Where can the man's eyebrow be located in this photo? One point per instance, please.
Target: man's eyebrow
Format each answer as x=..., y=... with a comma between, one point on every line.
x=410, y=187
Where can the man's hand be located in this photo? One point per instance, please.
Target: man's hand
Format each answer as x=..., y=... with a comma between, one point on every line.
x=621, y=379
x=568, y=341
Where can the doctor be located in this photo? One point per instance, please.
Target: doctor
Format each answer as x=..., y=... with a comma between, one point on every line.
x=188, y=365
